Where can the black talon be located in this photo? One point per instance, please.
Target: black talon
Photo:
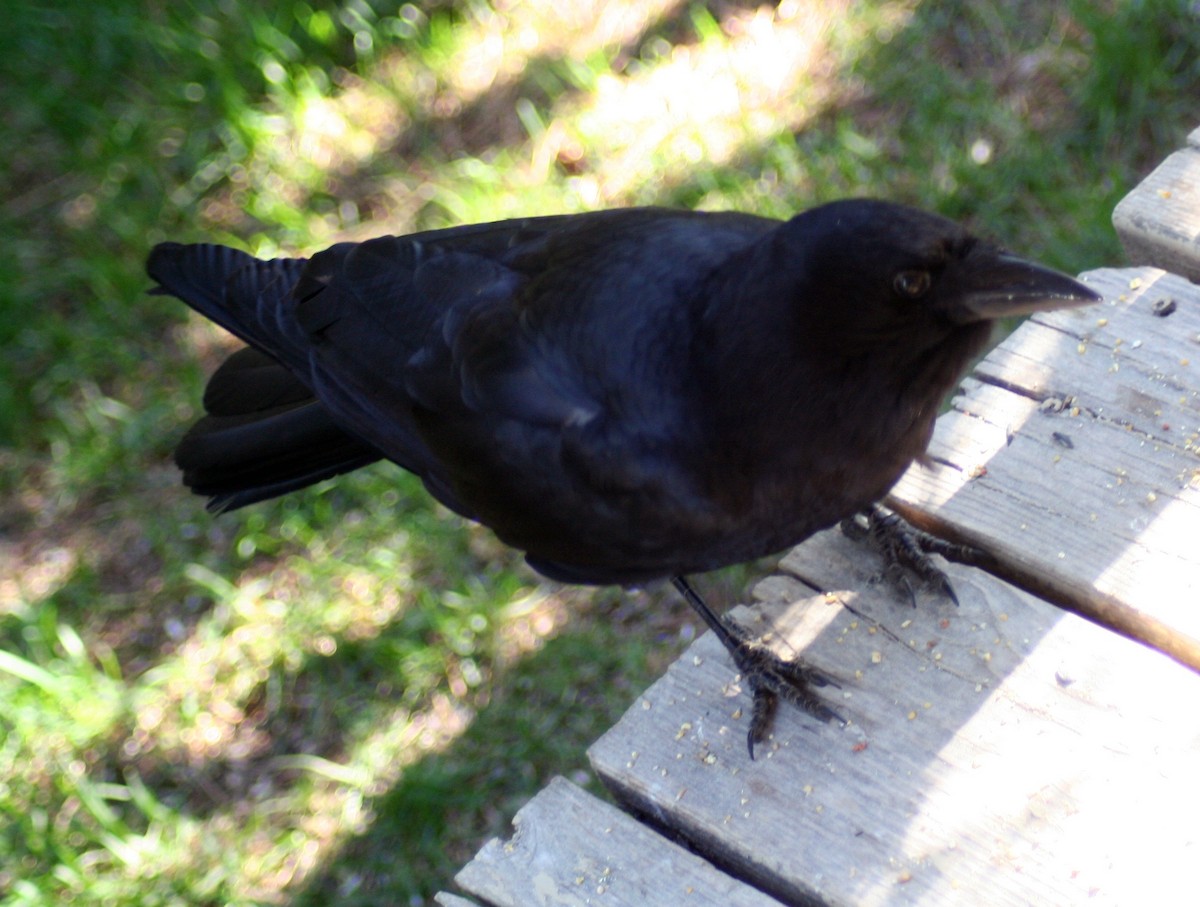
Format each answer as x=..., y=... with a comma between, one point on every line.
x=761, y=718
x=894, y=573
x=948, y=591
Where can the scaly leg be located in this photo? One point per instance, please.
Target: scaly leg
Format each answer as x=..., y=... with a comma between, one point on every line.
x=768, y=676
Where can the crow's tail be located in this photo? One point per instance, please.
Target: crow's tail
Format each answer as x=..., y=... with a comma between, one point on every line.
x=264, y=433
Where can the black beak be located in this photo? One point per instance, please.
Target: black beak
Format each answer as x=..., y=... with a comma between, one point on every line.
x=999, y=285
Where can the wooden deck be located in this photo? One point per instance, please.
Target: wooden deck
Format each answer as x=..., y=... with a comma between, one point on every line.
x=1005, y=752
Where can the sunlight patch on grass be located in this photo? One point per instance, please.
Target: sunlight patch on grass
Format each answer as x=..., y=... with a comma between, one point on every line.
x=334, y=136
x=497, y=45
x=30, y=574
x=529, y=620
x=753, y=75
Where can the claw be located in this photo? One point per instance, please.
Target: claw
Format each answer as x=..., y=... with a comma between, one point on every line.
x=948, y=590
x=762, y=717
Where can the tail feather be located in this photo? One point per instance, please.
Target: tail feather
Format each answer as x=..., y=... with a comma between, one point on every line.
x=243, y=294
x=264, y=434
x=249, y=381
x=240, y=460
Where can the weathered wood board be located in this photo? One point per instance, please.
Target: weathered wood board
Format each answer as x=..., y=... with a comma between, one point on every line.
x=1003, y=752
x=1073, y=455
x=570, y=849
x=445, y=899
x=1159, y=221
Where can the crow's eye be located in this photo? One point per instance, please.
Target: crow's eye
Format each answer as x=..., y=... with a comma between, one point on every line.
x=912, y=284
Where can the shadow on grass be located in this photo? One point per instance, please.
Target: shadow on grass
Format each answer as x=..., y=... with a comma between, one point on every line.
x=529, y=731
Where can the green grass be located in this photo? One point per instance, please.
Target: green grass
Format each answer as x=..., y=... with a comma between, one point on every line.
x=344, y=693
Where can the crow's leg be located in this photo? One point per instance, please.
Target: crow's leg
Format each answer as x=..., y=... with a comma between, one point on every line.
x=768, y=676
x=906, y=549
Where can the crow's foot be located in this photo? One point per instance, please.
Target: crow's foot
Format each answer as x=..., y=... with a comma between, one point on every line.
x=906, y=550
x=769, y=677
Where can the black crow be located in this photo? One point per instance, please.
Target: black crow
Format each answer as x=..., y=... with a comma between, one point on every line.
x=626, y=395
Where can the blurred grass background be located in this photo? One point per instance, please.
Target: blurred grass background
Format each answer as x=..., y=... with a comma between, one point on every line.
x=341, y=695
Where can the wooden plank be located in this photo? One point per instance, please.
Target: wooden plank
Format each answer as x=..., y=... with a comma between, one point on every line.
x=445, y=899
x=569, y=848
x=1073, y=455
x=1159, y=221
x=1000, y=753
